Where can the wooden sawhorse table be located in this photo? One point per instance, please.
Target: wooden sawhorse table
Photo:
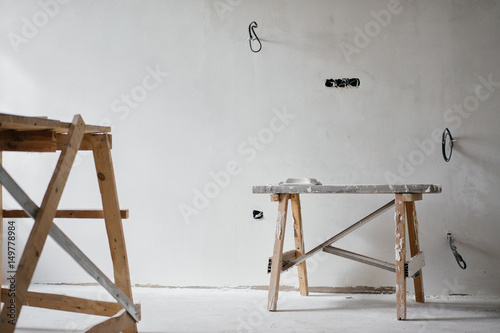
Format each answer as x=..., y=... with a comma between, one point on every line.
x=406, y=195
x=36, y=134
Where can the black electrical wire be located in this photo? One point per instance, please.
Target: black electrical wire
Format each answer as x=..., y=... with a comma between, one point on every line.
x=251, y=32
x=447, y=143
x=458, y=257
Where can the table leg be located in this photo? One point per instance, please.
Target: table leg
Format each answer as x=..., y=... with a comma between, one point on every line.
x=411, y=218
x=111, y=209
x=1, y=230
x=277, y=253
x=400, y=249
x=299, y=244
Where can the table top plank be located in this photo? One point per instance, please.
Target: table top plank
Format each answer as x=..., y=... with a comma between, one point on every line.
x=10, y=122
x=360, y=189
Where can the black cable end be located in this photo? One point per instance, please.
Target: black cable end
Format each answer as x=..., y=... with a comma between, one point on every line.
x=258, y=215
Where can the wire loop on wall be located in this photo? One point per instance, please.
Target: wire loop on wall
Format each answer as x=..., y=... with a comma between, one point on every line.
x=253, y=36
x=447, y=145
x=343, y=83
x=458, y=257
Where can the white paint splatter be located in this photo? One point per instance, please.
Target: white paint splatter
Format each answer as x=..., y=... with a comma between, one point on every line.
x=399, y=248
x=279, y=221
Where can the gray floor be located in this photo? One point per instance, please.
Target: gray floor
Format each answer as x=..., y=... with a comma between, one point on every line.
x=242, y=310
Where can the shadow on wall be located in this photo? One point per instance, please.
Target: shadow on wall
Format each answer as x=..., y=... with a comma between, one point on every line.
x=480, y=149
x=471, y=247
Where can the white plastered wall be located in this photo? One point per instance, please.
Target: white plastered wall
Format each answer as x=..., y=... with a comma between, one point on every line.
x=213, y=109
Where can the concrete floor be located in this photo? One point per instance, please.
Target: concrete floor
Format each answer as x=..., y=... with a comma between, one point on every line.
x=242, y=310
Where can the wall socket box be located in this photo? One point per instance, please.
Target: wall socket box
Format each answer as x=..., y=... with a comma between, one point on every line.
x=343, y=83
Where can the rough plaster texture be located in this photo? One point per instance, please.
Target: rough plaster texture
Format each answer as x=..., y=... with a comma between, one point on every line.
x=193, y=111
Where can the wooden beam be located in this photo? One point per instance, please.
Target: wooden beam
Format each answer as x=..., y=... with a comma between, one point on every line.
x=366, y=189
x=412, y=197
x=38, y=141
x=360, y=258
x=69, y=303
x=66, y=214
x=275, y=197
x=285, y=259
x=62, y=240
x=23, y=123
x=287, y=256
x=277, y=253
x=94, y=271
x=33, y=141
x=86, y=142
x=120, y=322
x=411, y=217
x=400, y=252
x=43, y=223
x=111, y=207
x=1, y=229
x=299, y=243
x=415, y=264
x=340, y=235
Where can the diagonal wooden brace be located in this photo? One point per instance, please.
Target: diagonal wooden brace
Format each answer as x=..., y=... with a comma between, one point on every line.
x=412, y=267
x=42, y=225
x=340, y=235
x=360, y=258
x=32, y=210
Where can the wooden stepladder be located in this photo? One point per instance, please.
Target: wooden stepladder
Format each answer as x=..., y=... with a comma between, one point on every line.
x=405, y=216
x=31, y=134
